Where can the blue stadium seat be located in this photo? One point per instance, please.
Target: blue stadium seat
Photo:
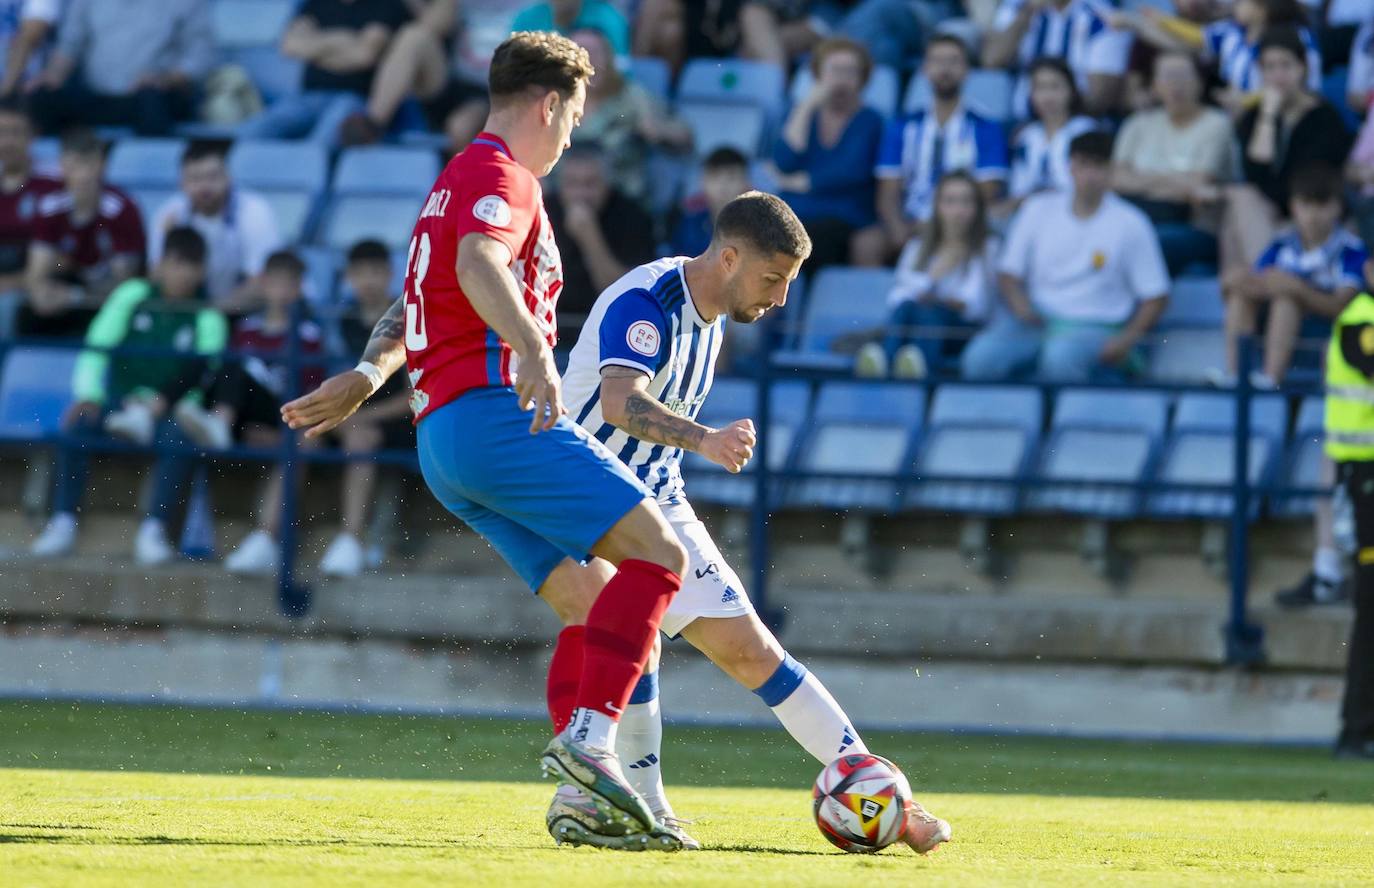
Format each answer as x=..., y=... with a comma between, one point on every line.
x=350, y=218
x=987, y=91
x=385, y=170
x=1194, y=302
x=1201, y=450
x=1100, y=435
x=322, y=268
x=880, y=93
x=653, y=75
x=735, y=81
x=1185, y=356
x=244, y=23
x=715, y=125
x=272, y=73
x=983, y=433
x=145, y=163
x=733, y=399
x=863, y=428
x=35, y=388
x=840, y=302
x=269, y=165
x=1302, y=462
x=44, y=152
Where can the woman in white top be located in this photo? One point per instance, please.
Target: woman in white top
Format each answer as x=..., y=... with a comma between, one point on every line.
x=1040, y=150
x=943, y=286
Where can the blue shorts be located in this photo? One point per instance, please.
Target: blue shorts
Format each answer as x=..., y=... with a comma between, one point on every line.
x=537, y=499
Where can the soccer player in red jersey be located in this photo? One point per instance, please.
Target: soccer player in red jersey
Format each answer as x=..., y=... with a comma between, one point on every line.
x=477, y=322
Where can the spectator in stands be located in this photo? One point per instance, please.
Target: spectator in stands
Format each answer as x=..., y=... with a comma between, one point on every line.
x=243, y=397
x=416, y=65
x=1359, y=84
x=677, y=30
x=1040, y=149
x=1082, y=278
x=1314, y=269
x=1172, y=161
x=88, y=238
x=1361, y=174
x=724, y=177
x=826, y=154
x=26, y=29
x=341, y=43
x=918, y=150
x=1290, y=129
x=21, y=190
x=130, y=396
x=1230, y=43
x=383, y=423
x=601, y=233
x=567, y=16
x=238, y=226
x=624, y=120
x=1076, y=31
x=943, y=285
x=133, y=63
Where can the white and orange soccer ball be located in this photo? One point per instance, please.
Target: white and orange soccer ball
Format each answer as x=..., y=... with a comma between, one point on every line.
x=860, y=803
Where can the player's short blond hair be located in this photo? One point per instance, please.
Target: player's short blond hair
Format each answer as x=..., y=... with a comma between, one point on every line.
x=537, y=59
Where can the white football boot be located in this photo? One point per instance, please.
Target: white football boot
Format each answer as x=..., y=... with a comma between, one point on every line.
x=256, y=556
x=58, y=538
x=344, y=557
x=150, y=545
x=134, y=422
x=575, y=819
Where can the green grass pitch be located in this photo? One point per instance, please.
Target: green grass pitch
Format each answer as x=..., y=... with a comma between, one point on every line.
x=113, y=795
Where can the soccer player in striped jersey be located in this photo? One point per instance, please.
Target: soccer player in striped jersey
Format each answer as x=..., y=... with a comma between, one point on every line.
x=637, y=378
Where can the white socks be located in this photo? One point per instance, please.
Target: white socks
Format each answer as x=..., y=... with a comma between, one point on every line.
x=1326, y=565
x=592, y=728
x=809, y=713
x=639, y=744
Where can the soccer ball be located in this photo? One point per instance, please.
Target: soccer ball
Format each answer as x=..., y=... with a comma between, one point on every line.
x=860, y=803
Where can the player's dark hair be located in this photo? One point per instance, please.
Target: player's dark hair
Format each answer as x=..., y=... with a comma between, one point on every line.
x=539, y=59
x=765, y=222
x=1059, y=67
x=82, y=142
x=832, y=45
x=200, y=149
x=725, y=158
x=184, y=243
x=369, y=250
x=1285, y=38
x=952, y=40
x=1095, y=145
x=284, y=262
x=1317, y=183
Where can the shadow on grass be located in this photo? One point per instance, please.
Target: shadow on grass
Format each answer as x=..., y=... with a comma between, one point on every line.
x=39, y=735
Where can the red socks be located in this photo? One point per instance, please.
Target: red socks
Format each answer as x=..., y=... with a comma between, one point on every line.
x=565, y=672
x=619, y=635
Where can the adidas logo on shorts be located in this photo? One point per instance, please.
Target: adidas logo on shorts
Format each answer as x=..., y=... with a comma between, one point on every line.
x=729, y=596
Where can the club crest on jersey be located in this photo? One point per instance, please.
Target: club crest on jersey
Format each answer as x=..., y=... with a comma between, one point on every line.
x=492, y=209
x=643, y=338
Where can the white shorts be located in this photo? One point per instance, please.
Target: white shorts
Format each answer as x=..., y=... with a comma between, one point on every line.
x=710, y=588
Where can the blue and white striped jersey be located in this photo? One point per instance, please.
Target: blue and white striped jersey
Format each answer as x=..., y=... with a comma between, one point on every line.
x=1078, y=33
x=647, y=321
x=1238, y=61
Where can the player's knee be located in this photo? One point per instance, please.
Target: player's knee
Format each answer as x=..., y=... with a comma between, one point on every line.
x=572, y=589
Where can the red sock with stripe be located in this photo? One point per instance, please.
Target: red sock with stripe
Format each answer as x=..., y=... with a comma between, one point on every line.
x=565, y=674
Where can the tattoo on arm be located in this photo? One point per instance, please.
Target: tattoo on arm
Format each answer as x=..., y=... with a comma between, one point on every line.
x=648, y=420
x=385, y=348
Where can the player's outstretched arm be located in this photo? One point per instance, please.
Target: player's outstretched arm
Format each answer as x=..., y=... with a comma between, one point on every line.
x=484, y=274
x=340, y=396
x=627, y=404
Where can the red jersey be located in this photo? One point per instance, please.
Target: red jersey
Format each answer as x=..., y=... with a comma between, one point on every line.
x=251, y=334
x=18, y=214
x=87, y=248
x=449, y=348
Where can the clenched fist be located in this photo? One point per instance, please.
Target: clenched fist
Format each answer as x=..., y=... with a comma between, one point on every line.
x=732, y=446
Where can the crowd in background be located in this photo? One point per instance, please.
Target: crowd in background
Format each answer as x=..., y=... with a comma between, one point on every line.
x=1209, y=138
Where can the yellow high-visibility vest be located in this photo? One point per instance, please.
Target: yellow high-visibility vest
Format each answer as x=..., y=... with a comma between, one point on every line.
x=1350, y=383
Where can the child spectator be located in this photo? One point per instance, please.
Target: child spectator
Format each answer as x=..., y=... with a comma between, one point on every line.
x=244, y=397
x=383, y=423
x=724, y=177
x=944, y=284
x=1311, y=271
x=87, y=240
x=131, y=396
x=1081, y=275
x=1040, y=150
x=1076, y=31
x=918, y=150
x=826, y=154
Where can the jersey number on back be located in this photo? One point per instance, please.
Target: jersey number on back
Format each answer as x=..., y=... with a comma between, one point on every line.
x=417, y=339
